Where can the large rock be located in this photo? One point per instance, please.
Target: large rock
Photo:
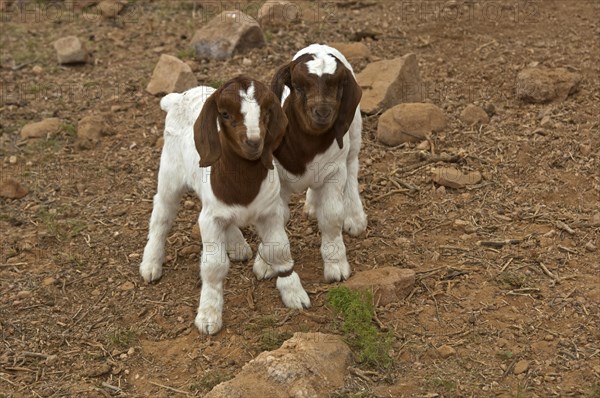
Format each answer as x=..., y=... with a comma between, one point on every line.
x=307, y=365
x=278, y=13
x=390, y=82
x=353, y=51
x=70, y=50
x=46, y=128
x=474, y=114
x=12, y=189
x=89, y=131
x=110, y=9
x=409, y=123
x=229, y=33
x=171, y=75
x=389, y=284
x=540, y=85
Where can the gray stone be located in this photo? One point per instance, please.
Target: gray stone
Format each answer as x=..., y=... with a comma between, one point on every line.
x=171, y=75
x=229, y=33
x=70, y=50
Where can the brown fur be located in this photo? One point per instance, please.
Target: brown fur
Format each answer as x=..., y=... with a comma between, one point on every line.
x=338, y=93
x=237, y=174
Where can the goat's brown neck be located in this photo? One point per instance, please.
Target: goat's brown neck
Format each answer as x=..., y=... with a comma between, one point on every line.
x=234, y=179
x=298, y=147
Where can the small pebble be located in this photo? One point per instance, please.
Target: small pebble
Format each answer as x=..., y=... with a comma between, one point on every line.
x=590, y=247
x=521, y=367
x=446, y=351
x=24, y=294
x=12, y=159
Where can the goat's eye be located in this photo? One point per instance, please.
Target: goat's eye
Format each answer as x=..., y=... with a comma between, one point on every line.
x=225, y=115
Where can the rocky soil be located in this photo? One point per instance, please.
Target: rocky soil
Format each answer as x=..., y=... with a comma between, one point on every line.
x=496, y=211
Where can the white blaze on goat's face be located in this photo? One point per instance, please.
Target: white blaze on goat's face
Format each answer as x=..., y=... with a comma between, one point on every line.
x=323, y=63
x=251, y=111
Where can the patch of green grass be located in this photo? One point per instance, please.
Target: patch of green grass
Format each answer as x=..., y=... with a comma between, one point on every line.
x=70, y=129
x=442, y=385
x=123, y=338
x=209, y=381
x=216, y=83
x=58, y=228
x=511, y=280
x=370, y=346
x=504, y=355
x=187, y=53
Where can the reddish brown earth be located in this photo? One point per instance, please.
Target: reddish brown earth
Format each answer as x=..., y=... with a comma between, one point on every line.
x=76, y=318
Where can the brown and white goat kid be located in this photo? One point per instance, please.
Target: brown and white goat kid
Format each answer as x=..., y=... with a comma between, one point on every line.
x=319, y=151
x=231, y=133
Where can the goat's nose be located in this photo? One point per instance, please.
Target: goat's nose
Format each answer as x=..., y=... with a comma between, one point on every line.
x=322, y=111
x=253, y=143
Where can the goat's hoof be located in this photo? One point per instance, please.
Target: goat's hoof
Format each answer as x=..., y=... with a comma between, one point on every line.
x=208, y=321
x=337, y=271
x=150, y=272
x=261, y=269
x=355, y=225
x=240, y=252
x=295, y=298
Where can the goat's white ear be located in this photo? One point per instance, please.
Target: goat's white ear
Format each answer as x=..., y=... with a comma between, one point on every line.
x=206, y=134
x=276, y=128
x=351, y=95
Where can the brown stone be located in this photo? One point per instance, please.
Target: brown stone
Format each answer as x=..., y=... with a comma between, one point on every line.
x=110, y=9
x=454, y=178
x=46, y=128
x=409, y=123
x=278, y=13
x=540, y=85
x=446, y=351
x=12, y=189
x=307, y=365
x=390, y=82
x=389, y=284
x=171, y=75
x=353, y=51
x=473, y=114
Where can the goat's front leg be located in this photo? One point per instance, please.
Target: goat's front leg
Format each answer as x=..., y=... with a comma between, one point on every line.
x=214, y=265
x=237, y=247
x=274, y=255
x=164, y=209
x=330, y=216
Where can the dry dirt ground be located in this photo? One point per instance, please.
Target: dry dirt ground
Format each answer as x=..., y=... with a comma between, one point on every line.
x=76, y=319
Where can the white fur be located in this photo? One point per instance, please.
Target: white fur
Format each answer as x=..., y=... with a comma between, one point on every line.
x=251, y=112
x=221, y=237
x=332, y=182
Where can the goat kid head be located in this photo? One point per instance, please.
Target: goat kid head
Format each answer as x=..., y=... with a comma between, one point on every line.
x=242, y=116
x=324, y=93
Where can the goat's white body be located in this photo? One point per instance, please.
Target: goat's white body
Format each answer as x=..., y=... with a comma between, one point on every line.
x=332, y=182
x=219, y=222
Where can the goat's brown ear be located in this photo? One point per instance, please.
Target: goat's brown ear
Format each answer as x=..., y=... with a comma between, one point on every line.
x=351, y=95
x=276, y=128
x=206, y=134
x=283, y=77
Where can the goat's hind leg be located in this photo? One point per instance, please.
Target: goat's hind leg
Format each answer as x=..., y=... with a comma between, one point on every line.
x=166, y=202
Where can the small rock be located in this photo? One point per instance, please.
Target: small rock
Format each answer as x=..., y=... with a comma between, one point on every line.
x=521, y=367
x=127, y=286
x=196, y=232
x=454, y=178
x=590, y=247
x=70, y=50
x=46, y=128
x=171, y=75
x=160, y=141
x=278, y=13
x=545, y=120
x=90, y=129
x=473, y=114
x=37, y=69
x=389, y=284
x=353, y=51
x=12, y=159
x=110, y=9
x=446, y=351
x=246, y=62
x=596, y=220
x=98, y=370
x=549, y=337
x=389, y=82
x=229, y=33
x=540, y=85
x=23, y=294
x=12, y=189
x=48, y=281
x=409, y=123
x=189, y=204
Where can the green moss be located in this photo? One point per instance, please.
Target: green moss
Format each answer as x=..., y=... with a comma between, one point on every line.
x=123, y=338
x=370, y=346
